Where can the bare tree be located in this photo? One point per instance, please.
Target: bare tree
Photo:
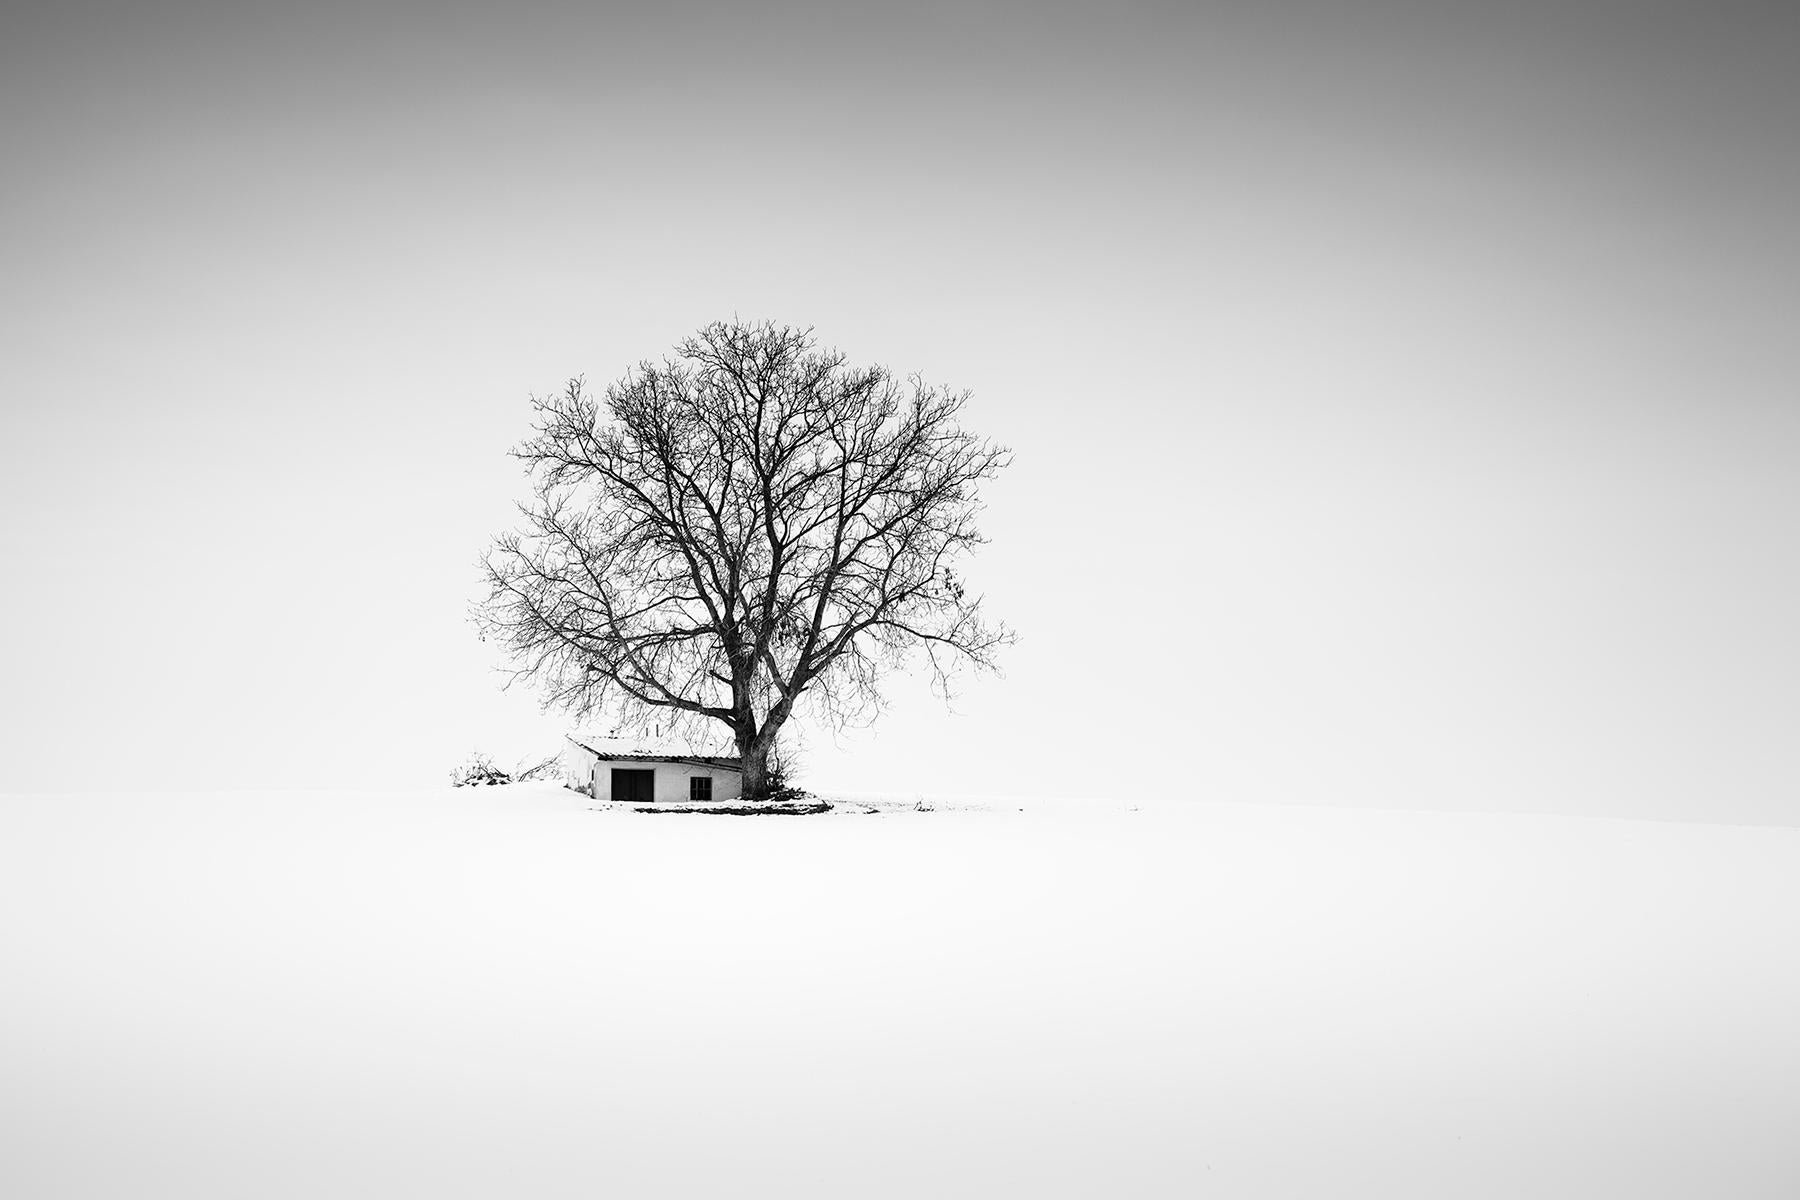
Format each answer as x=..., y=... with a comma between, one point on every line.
x=750, y=525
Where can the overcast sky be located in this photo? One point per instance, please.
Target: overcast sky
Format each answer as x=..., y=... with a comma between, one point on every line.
x=1403, y=395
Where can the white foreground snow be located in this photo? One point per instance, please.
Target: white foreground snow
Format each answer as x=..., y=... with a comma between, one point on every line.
x=498, y=992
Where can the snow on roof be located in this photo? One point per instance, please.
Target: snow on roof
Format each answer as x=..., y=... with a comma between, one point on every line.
x=613, y=746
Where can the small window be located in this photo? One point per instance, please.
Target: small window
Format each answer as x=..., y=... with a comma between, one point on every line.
x=700, y=788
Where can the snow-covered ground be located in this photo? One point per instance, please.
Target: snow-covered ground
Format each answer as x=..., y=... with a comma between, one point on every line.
x=502, y=992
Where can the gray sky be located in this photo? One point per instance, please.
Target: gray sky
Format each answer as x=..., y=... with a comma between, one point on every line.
x=1403, y=395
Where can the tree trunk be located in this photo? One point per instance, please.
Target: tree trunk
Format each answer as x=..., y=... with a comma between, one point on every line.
x=756, y=769
x=755, y=746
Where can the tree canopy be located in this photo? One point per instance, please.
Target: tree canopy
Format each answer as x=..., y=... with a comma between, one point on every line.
x=750, y=525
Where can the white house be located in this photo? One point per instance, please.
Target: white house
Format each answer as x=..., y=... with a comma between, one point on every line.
x=637, y=772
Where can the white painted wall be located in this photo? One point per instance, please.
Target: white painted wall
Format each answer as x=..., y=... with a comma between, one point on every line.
x=578, y=767
x=672, y=780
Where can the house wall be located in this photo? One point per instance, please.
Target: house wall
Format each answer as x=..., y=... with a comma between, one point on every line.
x=578, y=768
x=589, y=773
x=672, y=780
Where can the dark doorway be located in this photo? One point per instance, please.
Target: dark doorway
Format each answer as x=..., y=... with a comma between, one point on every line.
x=633, y=787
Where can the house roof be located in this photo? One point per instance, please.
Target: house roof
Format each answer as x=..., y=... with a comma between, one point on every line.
x=614, y=749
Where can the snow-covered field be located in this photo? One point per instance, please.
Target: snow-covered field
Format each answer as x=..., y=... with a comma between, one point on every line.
x=500, y=992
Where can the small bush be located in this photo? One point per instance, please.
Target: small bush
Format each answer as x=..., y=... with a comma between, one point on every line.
x=481, y=771
x=784, y=791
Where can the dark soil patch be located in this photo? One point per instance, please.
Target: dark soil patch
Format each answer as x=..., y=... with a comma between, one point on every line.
x=749, y=810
